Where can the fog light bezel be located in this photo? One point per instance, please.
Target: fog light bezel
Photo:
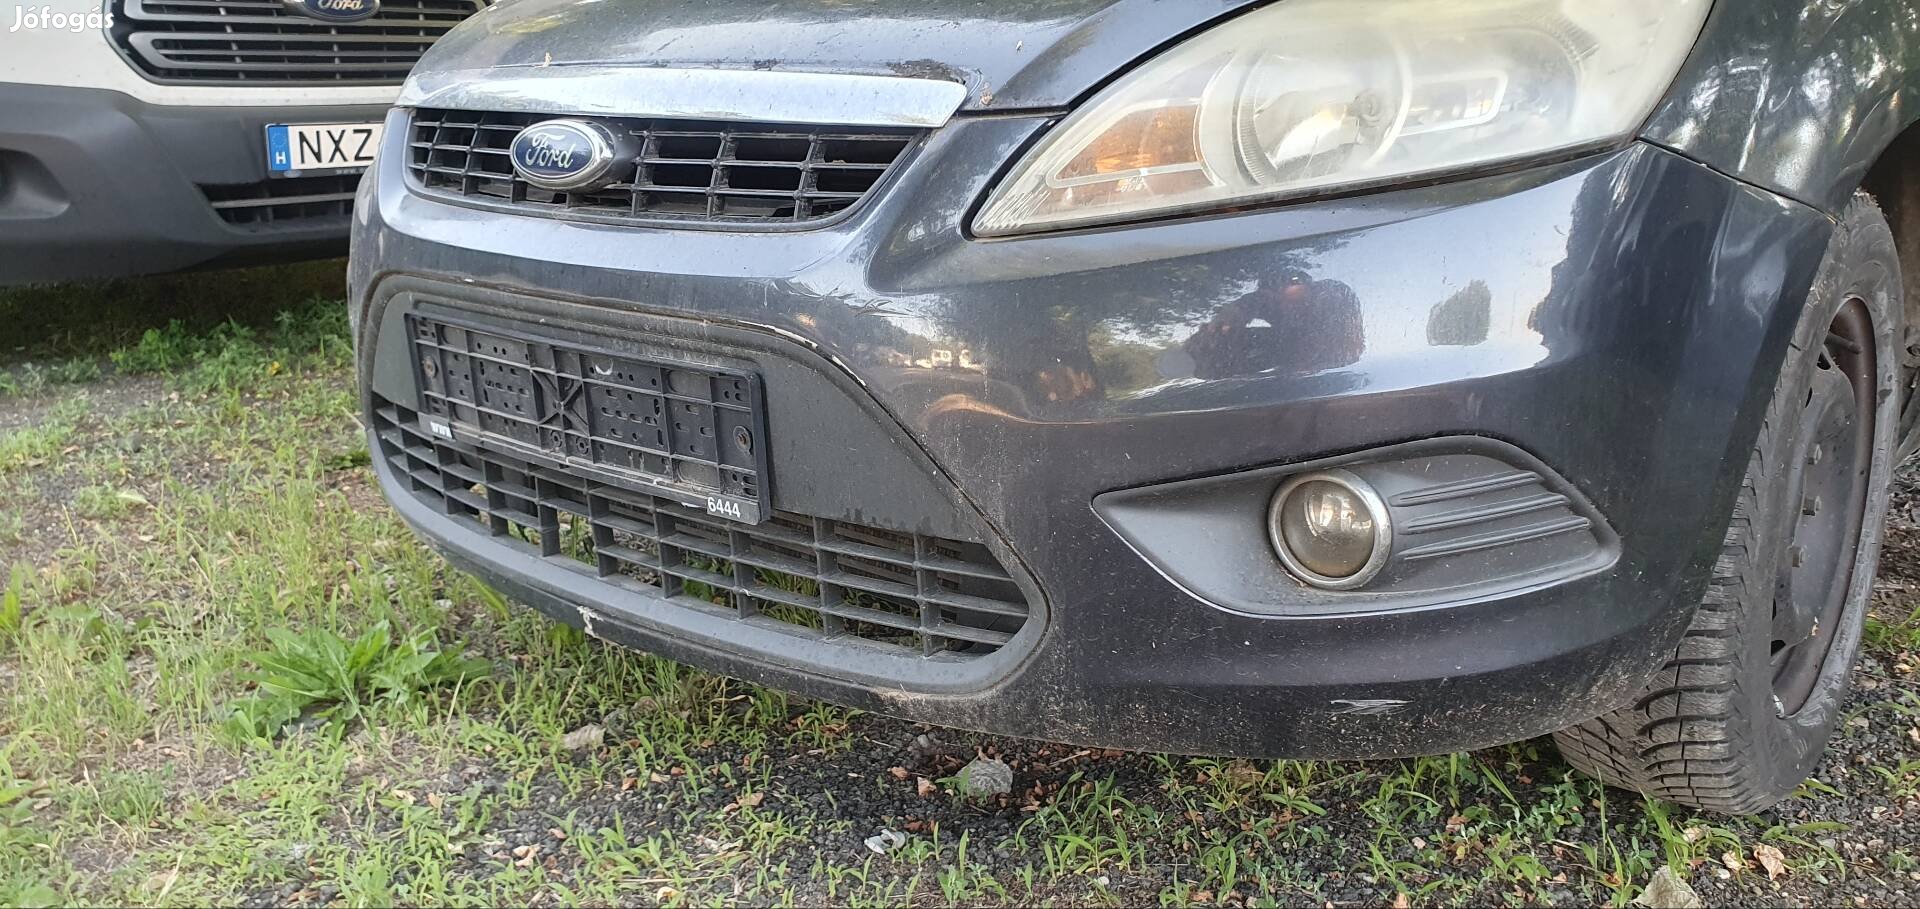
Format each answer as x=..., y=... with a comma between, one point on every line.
x=1376, y=509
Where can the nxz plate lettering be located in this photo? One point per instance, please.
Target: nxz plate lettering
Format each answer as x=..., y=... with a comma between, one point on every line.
x=725, y=508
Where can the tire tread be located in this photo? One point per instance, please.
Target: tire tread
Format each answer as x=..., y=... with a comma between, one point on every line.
x=1687, y=738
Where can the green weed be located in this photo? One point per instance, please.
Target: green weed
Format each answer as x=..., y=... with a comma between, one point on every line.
x=11, y=606
x=23, y=842
x=322, y=674
x=34, y=378
x=234, y=356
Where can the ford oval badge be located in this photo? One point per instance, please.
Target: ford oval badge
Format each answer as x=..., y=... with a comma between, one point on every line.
x=566, y=155
x=334, y=10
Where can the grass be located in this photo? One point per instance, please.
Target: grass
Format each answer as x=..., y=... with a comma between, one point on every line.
x=36, y=444
x=87, y=320
x=229, y=674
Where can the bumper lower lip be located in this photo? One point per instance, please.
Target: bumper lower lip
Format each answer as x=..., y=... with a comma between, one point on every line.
x=95, y=184
x=1612, y=317
x=1191, y=696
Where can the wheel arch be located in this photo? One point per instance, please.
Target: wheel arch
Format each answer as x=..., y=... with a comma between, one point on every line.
x=1801, y=99
x=1894, y=182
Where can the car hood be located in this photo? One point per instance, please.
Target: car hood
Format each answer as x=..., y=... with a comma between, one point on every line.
x=1010, y=54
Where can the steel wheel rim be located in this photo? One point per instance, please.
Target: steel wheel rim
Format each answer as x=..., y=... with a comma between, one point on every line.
x=1826, y=494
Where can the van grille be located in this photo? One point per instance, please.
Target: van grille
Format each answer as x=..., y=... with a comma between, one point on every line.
x=225, y=41
x=686, y=170
x=849, y=583
x=281, y=200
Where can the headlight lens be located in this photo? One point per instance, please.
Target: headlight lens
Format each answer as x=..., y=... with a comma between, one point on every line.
x=1307, y=96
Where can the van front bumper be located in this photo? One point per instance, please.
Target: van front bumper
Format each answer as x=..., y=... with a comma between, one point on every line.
x=1611, y=324
x=97, y=184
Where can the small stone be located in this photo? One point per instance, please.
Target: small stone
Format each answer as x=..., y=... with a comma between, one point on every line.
x=886, y=841
x=924, y=748
x=985, y=777
x=585, y=738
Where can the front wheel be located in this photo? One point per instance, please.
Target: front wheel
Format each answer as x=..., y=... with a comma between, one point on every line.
x=1741, y=712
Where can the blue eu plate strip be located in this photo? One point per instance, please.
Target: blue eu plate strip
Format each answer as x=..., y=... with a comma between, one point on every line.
x=279, y=155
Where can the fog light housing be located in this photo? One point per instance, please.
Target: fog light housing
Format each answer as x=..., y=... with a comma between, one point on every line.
x=1331, y=529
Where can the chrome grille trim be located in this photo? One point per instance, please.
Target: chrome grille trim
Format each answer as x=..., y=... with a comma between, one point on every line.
x=815, y=99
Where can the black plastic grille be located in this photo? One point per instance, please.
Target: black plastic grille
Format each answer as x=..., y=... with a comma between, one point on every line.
x=693, y=433
x=686, y=170
x=228, y=41
x=287, y=201
x=830, y=580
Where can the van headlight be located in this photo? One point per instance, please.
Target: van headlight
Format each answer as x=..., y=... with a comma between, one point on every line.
x=1312, y=96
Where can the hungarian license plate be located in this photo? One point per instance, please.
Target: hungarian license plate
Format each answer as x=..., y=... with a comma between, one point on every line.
x=294, y=148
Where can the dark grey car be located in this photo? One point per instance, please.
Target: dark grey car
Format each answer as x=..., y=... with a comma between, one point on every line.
x=1315, y=378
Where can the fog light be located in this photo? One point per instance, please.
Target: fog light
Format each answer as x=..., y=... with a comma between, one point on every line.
x=1330, y=529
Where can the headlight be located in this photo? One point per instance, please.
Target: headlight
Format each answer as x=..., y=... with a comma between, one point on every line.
x=1309, y=96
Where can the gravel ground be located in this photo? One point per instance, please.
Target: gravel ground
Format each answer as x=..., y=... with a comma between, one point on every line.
x=1855, y=823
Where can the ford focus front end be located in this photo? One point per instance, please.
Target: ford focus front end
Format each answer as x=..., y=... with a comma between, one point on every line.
x=1237, y=378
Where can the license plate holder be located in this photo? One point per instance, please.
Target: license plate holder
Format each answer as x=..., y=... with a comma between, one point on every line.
x=309, y=149
x=691, y=432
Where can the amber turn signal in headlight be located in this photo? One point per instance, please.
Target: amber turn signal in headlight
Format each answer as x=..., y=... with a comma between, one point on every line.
x=1309, y=96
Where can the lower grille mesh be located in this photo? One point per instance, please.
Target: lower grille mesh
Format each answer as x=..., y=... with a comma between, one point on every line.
x=944, y=599
x=283, y=199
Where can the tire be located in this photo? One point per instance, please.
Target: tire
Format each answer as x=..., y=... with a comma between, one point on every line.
x=1739, y=715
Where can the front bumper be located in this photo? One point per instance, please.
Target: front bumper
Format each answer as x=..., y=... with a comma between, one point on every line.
x=1619, y=318
x=96, y=184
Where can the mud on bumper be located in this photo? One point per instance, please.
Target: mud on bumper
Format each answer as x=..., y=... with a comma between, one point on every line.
x=878, y=584
x=1613, y=324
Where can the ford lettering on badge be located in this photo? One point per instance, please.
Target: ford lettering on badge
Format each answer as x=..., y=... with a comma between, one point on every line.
x=568, y=155
x=334, y=10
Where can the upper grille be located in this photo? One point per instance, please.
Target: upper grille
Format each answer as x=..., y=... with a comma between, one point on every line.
x=687, y=170
x=830, y=580
x=264, y=41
